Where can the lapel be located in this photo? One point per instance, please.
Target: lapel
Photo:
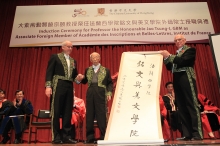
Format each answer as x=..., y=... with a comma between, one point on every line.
x=89, y=74
x=101, y=74
x=72, y=66
x=64, y=63
x=185, y=47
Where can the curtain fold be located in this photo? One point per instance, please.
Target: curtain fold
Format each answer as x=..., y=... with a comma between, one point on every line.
x=25, y=68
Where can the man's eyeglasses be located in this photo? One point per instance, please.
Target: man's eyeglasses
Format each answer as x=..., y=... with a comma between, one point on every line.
x=69, y=46
x=177, y=40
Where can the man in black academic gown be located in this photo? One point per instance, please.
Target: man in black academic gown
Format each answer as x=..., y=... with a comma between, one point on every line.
x=61, y=72
x=99, y=92
x=184, y=82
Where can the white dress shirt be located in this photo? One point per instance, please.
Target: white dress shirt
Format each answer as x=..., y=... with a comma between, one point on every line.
x=178, y=51
x=68, y=63
x=96, y=68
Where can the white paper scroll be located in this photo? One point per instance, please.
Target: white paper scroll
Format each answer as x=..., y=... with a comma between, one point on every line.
x=135, y=114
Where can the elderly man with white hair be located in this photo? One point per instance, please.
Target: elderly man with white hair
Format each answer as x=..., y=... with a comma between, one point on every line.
x=99, y=92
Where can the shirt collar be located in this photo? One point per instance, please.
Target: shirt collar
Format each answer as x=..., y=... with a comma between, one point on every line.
x=96, y=67
x=179, y=49
x=66, y=56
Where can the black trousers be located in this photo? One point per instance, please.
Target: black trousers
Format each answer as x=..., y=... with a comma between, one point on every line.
x=176, y=122
x=187, y=102
x=95, y=108
x=17, y=123
x=72, y=132
x=62, y=106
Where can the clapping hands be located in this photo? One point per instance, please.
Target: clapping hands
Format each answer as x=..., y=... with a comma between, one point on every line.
x=17, y=102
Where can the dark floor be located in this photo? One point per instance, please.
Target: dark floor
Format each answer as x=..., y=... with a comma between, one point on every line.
x=176, y=143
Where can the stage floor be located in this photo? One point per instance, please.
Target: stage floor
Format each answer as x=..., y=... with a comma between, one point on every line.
x=202, y=142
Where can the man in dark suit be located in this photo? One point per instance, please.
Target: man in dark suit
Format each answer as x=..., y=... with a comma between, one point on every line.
x=99, y=92
x=61, y=72
x=184, y=82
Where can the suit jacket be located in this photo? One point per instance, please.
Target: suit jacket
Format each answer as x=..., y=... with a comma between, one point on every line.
x=104, y=79
x=57, y=69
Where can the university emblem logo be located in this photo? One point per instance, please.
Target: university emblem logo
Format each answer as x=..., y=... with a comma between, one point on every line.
x=78, y=12
x=101, y=11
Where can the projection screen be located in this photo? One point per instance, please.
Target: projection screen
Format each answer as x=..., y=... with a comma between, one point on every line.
x=215, y=46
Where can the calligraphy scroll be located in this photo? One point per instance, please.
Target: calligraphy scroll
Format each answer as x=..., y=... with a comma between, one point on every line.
x=135, y=114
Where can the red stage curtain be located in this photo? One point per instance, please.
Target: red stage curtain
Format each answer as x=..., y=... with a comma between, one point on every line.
x=24, y=68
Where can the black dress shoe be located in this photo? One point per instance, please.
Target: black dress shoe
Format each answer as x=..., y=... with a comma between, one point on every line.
x=17, y=141
x=70, y=141
x=196, y=138
x=5, y=140
x=183, y=139
x=91, y=141
x=211, y=137
x=57, y=142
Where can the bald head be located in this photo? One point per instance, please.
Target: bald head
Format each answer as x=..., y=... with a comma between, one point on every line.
x=66, y=43
x=95, y=58
x=67, y=47
x=179, y=40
